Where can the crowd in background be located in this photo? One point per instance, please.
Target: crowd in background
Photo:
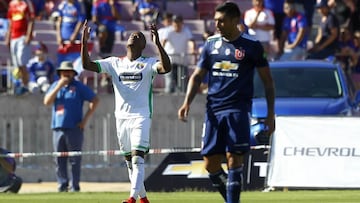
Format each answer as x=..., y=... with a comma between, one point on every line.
x=287, y=30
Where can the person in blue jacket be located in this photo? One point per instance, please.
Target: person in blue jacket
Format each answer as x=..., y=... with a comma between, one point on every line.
x=67, y=97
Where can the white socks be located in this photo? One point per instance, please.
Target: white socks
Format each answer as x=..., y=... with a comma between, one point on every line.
x=136, y=170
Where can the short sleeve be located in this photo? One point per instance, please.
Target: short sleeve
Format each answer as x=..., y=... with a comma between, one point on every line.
x=105, y=65
x=203, y=61
x=260, y=56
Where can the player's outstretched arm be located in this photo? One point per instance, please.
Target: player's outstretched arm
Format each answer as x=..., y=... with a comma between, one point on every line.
x=86, y=61
x=165, y=65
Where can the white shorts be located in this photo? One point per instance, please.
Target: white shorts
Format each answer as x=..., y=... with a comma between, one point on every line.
x=20, y=52
x=133, y=134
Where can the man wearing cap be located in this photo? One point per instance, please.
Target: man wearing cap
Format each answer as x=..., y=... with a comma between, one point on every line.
x=326, y=41
x=67, y=96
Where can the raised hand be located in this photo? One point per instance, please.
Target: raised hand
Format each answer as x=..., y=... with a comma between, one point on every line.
x=154, y=34
x=85, y=32
x=63, y=81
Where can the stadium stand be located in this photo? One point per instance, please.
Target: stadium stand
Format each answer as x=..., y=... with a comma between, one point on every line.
x=197, y=16
x=184, y=7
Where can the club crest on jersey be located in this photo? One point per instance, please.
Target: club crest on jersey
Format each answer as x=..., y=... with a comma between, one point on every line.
x=140, y=66
x=239, y=53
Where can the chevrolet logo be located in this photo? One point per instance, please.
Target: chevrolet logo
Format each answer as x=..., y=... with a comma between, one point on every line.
x=225, y=66
x=193, y=170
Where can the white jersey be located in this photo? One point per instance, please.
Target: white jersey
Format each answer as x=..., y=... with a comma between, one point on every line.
x=132, y=81
x=266, y=16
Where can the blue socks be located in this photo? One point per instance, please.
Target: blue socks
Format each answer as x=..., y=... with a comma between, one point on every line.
x=234, y=185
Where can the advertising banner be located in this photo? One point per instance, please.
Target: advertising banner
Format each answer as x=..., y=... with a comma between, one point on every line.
x=185, y=171
x=315, y=152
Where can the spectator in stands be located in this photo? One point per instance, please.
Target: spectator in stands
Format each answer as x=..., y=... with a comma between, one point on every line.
x=354, y=18
x=105, y=15
x=175, y=42
x=135, y=9
x=50, y=7
x=41, y=70
x=309, y=8
x=346, y=48
x=21, y=21
x=341, y=10
x=148, y=11
x=277, y=7
x=326, y=42
x=67, y=97
x=355, y=61
x=4, y=27
x=166, y=22
x=293, y=41
x=88, y=5
x=9, y=182
x=260, y=22
x=71, y=15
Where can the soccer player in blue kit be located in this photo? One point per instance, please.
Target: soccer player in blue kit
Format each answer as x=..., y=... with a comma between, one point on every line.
x=229, y=58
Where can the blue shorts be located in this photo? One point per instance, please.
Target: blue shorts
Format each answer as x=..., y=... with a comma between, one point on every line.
x=226, y=132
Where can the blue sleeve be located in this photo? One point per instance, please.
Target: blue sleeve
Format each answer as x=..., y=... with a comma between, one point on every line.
x=203, y=61
x=86, y=93
x=52, y=86
x=302, y=22
x=94, y=10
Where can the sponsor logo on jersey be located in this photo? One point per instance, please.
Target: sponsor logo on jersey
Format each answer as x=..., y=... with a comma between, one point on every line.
x=130, y=76
x=225, y=66
x=225, y=69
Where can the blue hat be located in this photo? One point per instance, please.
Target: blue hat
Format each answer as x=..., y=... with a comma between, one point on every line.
x=321, y=3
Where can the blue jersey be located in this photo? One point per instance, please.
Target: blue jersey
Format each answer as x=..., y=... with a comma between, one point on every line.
x=292, y=25
x=38, y=69
x=71, y=14
x=231, y=66
x=104, y=14
x=68, y=105
x=276, y=6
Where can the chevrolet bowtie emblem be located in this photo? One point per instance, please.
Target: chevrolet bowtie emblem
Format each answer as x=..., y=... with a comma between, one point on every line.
x=195, y=169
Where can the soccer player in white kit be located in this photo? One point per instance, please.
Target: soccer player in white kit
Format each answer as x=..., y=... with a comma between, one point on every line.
x=132, y=77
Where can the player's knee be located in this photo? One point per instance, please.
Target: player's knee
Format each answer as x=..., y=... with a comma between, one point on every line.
x=137, y=160
x=138, y=153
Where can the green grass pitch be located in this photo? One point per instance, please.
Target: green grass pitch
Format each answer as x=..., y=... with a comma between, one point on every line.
x=301, y=196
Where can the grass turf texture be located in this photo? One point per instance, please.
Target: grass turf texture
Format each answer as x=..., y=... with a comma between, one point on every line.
x=315, y=196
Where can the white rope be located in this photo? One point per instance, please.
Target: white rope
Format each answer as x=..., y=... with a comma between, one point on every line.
x=80, y=153
x=108, y=152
